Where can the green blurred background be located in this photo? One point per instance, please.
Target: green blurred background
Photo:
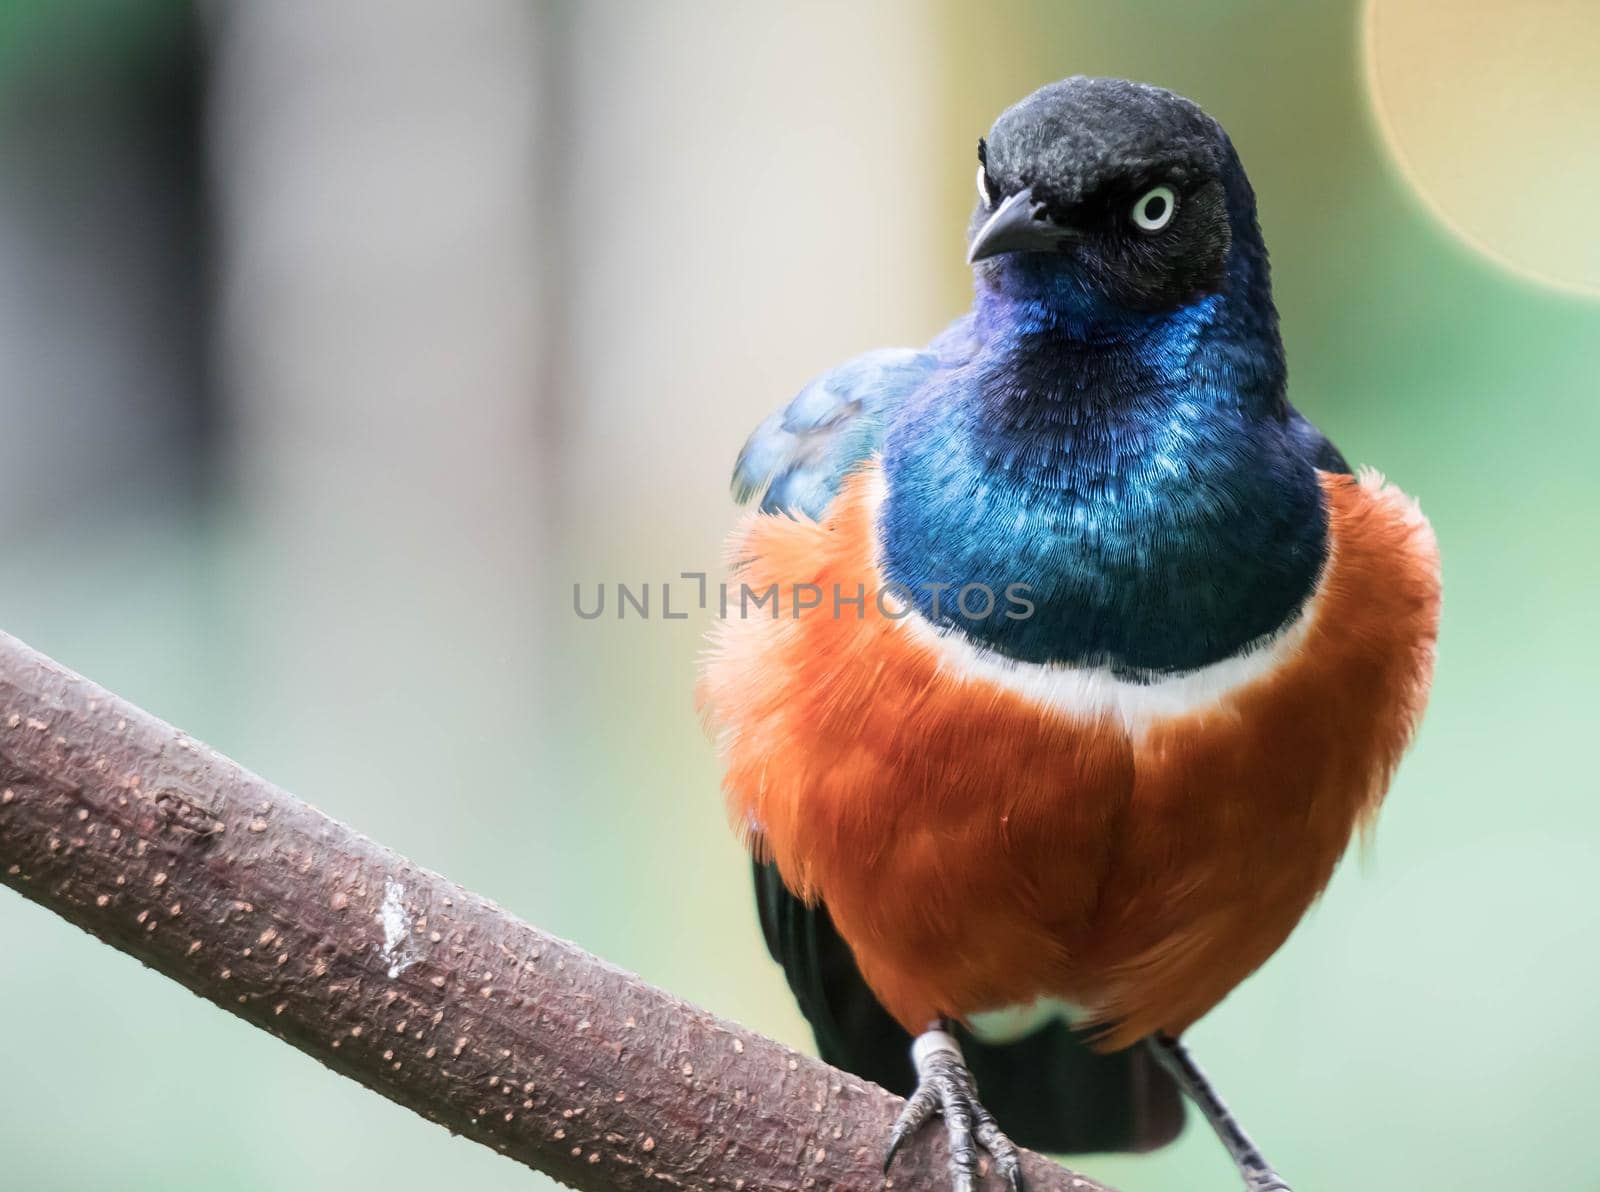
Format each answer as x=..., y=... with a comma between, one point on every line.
x=337, y=341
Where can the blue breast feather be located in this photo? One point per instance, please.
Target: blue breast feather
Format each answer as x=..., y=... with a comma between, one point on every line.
x=1160, y=513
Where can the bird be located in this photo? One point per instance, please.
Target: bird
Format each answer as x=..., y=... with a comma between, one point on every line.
x=1063, y=657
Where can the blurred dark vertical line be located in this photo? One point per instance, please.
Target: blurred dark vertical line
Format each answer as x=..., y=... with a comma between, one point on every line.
x=181, y=108
x=105, y=318
x=558, y=363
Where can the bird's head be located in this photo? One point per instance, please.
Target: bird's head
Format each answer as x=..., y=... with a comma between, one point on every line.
x=1101, y=201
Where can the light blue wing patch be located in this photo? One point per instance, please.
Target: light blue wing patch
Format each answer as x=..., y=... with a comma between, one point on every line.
x=797, y=459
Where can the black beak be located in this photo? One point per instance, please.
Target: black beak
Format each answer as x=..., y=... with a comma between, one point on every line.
x=1019, y=224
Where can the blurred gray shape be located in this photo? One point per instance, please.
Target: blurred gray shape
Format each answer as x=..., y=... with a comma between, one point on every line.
x=103, y=321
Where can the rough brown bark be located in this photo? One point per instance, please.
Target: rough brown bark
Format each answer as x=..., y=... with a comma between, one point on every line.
x=402, y=980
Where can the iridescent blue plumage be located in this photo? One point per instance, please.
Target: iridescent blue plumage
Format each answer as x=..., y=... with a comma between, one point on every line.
x=1111, y=434
x=1141, y=472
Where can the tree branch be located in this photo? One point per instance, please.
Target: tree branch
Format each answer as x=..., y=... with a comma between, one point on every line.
x=402, y=980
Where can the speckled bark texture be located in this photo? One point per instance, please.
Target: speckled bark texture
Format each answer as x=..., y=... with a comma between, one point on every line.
x=403, y=981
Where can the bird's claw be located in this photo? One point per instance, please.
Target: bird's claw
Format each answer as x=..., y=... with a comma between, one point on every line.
x=947, y=1088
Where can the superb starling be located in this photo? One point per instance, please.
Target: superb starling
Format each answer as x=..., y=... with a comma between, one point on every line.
x=1088, y=653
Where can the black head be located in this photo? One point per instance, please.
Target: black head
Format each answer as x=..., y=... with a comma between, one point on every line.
x=1106, y=191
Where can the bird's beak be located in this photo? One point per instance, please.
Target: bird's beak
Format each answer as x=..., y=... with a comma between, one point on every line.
x=1019, y=224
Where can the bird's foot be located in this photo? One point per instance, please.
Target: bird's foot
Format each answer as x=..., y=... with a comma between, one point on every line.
x=1179, y=1064
x=1266, y=1181
x=945, y=1086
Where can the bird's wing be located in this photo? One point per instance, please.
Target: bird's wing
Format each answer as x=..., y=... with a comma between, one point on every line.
x=796, y=460
x=1052, y=1091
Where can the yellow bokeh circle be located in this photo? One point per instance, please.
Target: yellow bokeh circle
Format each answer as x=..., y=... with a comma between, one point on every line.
x=1492, y=111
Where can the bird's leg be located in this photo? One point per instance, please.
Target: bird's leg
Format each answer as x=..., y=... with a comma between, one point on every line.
x=1175, y=1058
x=945, y=1086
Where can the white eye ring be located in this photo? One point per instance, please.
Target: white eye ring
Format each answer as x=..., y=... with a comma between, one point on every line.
x=1163, y=202
x=983, y=189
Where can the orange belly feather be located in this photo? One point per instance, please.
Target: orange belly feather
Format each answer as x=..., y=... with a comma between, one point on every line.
x=978, y=846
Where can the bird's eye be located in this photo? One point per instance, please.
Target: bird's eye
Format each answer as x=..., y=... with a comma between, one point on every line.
x=1153, y=210
x=983, y=187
